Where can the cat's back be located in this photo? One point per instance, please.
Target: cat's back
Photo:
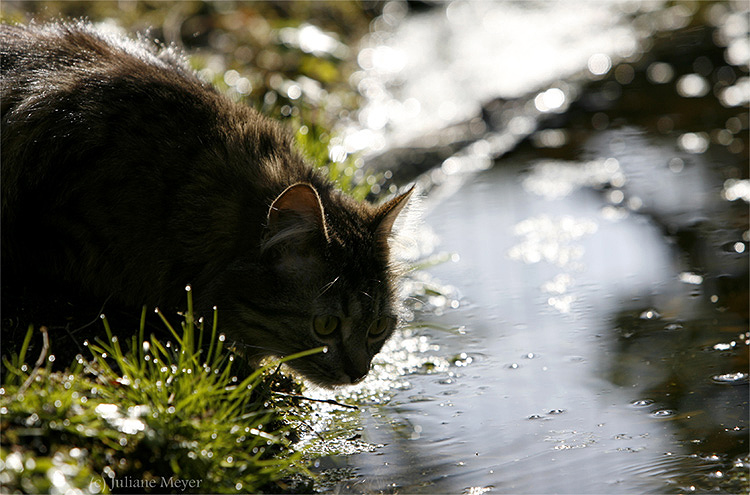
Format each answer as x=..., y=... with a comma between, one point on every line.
x=34, y=51
x=103, y=136
x=65, y=86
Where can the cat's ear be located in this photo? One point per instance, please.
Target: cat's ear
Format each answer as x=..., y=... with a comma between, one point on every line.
x=388, y=213
x=296, y=214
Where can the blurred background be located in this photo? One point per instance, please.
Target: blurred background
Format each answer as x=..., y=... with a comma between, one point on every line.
x=583, y=323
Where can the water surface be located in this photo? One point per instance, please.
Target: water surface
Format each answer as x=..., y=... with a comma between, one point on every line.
x=590, y=331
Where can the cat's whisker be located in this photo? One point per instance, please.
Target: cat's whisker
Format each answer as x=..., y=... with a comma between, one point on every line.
x=262, y=348
x=328, y=286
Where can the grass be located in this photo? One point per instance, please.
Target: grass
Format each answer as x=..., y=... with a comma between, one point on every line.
x=180, y=415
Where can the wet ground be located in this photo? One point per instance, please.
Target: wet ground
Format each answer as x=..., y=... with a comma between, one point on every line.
x=589, y=333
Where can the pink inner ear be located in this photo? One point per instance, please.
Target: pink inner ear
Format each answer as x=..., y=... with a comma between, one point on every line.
x=301, y=199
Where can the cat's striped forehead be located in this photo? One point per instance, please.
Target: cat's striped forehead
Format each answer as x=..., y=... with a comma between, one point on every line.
x=356, y=297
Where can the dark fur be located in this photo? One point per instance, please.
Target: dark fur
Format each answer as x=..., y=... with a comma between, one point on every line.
x=126, y=177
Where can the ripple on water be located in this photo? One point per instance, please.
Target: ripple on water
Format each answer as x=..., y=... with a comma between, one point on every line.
x=738, y=378
x=650, y=314
x=663, y=413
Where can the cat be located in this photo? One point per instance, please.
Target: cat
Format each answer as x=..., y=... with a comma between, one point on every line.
x=127, y=177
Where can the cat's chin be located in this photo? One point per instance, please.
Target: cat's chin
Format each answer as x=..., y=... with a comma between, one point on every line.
x=331, y=384
x=317, y=378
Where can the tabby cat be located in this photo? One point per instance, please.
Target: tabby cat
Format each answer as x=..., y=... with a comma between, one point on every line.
x=127, y=177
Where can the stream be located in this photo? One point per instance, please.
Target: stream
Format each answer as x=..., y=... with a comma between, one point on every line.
x=585, y=187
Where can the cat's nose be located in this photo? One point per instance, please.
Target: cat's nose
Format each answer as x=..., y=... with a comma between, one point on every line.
x=356, y=364
x=358, y=377
x=357, y=372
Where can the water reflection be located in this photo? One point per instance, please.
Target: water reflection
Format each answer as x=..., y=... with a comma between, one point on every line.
x=603, y=268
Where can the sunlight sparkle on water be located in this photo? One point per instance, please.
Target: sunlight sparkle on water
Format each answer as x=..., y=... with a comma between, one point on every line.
x=599, y=64
x=551, y=239
x=724, y=346
x=732, y=378
x=692, y=86
x=555, y=179
x=552, y=100
x=660, y=72
x=735, y=189
x=694, y=142
x=477, y=490
x=691, y=278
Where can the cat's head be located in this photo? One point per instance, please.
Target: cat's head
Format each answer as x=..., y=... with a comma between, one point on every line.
x=323, y=279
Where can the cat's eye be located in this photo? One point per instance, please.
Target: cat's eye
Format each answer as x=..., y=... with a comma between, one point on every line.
x=378, y=327
x=326, y=325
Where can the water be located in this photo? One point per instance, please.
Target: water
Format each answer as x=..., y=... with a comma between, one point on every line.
x=597, y=296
